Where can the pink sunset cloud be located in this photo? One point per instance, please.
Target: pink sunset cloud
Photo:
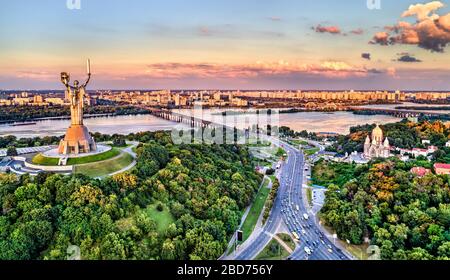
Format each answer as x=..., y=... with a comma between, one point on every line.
x=430, y=31
x=327, y=29
x=330, y=69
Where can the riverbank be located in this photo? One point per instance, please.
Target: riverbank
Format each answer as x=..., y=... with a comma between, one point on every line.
x=22, y=115
x=87, y=116
x=427, y=108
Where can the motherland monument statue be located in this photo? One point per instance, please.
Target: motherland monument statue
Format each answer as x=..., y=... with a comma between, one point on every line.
x=77, y=139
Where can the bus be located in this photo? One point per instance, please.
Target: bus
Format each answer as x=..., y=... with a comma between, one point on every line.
x=296, y=237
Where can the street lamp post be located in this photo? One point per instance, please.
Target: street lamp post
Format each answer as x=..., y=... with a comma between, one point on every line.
x=235, y=244
x=236, y=237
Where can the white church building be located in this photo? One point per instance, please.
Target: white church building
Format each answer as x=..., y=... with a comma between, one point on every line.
x=378, y=146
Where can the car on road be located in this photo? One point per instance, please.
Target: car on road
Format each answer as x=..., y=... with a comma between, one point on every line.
x=308, y=251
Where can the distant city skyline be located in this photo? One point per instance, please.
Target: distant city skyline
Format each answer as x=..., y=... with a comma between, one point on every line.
x=199, y=44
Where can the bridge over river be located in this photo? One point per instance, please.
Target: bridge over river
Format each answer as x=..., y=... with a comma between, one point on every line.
x=196, y=122
x=262, y=128
x=192, y=121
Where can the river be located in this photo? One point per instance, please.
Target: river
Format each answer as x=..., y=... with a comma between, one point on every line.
x=338, y=122
x=106, y=125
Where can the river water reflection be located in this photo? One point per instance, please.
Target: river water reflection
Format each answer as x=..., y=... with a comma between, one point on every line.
x=106, y=125
x=339, y=122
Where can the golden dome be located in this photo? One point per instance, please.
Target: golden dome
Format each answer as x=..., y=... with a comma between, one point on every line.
x=377, y=134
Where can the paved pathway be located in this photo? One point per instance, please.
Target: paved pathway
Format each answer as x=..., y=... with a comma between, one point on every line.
x=282, y=243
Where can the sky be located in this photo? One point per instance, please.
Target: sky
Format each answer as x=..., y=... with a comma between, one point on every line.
x=227, y=44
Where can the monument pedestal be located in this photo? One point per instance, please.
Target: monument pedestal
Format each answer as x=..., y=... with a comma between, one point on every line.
x=77, y=141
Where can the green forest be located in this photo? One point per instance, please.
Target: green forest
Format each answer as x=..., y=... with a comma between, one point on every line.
x=325, y=173
x=406, y=216
x=180, y=202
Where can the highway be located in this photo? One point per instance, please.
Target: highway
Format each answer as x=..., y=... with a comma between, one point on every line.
x=294, y=208
x=290, y=207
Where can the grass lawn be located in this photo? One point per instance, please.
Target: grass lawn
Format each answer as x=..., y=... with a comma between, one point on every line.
x=359, y=251
x=89, y=159
x=273, y=251
x=40, y=159
x=103, y=168
x=325, y=173
x=163, y=219
x=287, y=239
x=311, y=152
x=280, y=152
x=309, y=194
x=255, y=210
x=121, y=147
x=299, y=142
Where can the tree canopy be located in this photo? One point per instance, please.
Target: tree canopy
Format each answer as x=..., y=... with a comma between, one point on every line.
x=406, y=216
x=204, y=188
